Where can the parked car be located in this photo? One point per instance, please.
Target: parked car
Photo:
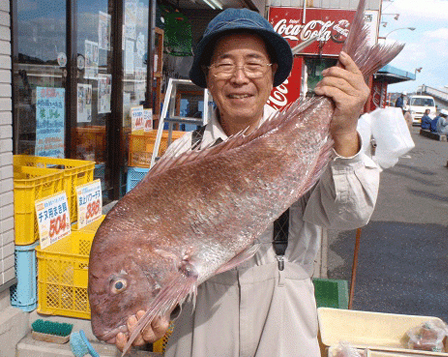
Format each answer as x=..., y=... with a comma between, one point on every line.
x=417, y=105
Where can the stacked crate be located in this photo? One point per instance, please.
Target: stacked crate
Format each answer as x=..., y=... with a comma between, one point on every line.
x=37, y=178
x=141, y=147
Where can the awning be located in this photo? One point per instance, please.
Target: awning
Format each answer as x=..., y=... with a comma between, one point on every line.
x=392, y=75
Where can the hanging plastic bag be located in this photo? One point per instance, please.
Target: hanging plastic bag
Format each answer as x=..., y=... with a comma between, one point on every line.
x=344, y=349
x=391, y=134
x=429, y=336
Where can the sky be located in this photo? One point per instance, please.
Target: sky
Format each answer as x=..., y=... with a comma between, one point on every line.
x=425, y=47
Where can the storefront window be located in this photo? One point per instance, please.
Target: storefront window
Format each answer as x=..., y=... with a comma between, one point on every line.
x=39, y=72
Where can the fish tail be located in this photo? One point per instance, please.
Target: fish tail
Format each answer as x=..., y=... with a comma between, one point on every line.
x=368, y=58
x=173, y=294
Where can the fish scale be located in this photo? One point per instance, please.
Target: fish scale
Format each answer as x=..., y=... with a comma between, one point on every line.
x=199, y=213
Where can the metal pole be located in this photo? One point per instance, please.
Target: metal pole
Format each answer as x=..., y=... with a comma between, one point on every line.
x=354, y=267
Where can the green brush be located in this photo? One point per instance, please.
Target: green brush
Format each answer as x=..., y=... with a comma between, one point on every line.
x=50, y=331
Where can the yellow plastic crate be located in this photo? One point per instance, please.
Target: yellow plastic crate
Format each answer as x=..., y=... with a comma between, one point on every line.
x=31, y=184
x=90, y=228
x=76, y=173
x=141, y=146
x=63, y=276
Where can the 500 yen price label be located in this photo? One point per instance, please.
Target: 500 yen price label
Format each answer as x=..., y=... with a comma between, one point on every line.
x=90, y=203
x=53, y=219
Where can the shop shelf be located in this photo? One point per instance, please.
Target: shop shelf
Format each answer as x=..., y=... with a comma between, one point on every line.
x=31, y=184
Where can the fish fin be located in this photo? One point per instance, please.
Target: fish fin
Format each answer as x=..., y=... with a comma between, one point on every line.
x=368, y=58
x=233, y=142
x=238, y=259
x=166, y=300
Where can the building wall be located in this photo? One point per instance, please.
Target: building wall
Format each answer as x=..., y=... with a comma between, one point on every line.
x=7, y=273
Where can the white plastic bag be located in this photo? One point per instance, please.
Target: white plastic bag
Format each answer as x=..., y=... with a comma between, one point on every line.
x=390, y=132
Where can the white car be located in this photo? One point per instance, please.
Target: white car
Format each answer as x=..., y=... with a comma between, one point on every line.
x=418, y=104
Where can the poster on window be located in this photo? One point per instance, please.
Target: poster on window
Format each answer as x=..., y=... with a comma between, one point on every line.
x=50, y=119
x=104, y=26
x=84, y=103
x=104, y=92
x=91, y=59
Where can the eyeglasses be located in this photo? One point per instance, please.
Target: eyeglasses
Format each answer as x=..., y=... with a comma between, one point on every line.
x=226, y=70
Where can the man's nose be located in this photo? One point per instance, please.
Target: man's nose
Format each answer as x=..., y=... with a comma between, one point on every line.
x=239, y=74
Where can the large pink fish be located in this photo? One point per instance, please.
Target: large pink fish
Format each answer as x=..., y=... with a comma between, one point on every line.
x=200, y=213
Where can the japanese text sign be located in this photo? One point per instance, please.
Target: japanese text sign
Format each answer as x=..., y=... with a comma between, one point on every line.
x=53, y=219
x=90, y=202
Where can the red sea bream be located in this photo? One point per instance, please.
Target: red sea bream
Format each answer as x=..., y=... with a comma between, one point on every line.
x=199, y=213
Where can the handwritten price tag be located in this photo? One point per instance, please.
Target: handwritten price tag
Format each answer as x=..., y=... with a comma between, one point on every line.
x=90, y=203
x=53, y=219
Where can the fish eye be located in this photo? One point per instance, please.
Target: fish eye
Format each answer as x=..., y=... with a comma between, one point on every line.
x=119, y=286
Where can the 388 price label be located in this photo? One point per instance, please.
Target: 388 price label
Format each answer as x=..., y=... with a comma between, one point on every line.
x=90, y=202
x=93, y=209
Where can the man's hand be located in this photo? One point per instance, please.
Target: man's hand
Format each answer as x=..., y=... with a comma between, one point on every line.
x=346, y=86
x=153, y=332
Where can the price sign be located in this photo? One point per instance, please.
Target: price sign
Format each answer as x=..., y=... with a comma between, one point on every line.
x=53, y=218
x=147, y=118
x=90, y=203
x=137, y=118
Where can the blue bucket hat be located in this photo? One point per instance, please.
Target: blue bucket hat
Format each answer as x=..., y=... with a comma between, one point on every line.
x=233, y=20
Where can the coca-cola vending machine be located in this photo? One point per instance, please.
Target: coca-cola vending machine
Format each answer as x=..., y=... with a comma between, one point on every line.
x=297, y=25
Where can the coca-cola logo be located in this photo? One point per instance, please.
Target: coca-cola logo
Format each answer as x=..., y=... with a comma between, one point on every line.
x=278, y=98
x=323, y=30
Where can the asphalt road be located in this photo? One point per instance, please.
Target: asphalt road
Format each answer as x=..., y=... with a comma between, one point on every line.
x=403, y=257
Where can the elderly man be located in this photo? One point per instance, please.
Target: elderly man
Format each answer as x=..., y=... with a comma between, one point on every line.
x=262, y=308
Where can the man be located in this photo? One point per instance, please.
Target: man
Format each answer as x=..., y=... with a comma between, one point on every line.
x=400, y=103
x=426, y=120
x=262, y=308
x=442, y=122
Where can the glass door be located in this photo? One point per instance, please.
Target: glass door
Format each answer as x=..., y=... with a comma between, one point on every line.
x=94, y=85
x=39, y=78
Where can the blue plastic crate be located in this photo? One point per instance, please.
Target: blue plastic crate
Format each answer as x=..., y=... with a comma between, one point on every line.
x=24, y=293
x=135, y=175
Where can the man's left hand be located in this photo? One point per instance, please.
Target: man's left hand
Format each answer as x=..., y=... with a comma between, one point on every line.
x=349, y=91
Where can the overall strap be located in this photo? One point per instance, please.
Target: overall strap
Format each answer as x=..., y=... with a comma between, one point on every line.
x=280, y=242
x=196, y=136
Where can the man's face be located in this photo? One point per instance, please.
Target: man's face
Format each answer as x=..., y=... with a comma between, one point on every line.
x=239, y=98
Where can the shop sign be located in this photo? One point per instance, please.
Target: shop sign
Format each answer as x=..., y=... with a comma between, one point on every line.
x=289, y=90
x=330, y=26
x=53, y=219
x=90, y=203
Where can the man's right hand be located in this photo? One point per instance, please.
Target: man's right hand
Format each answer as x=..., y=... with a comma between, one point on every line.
x=153, y=332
